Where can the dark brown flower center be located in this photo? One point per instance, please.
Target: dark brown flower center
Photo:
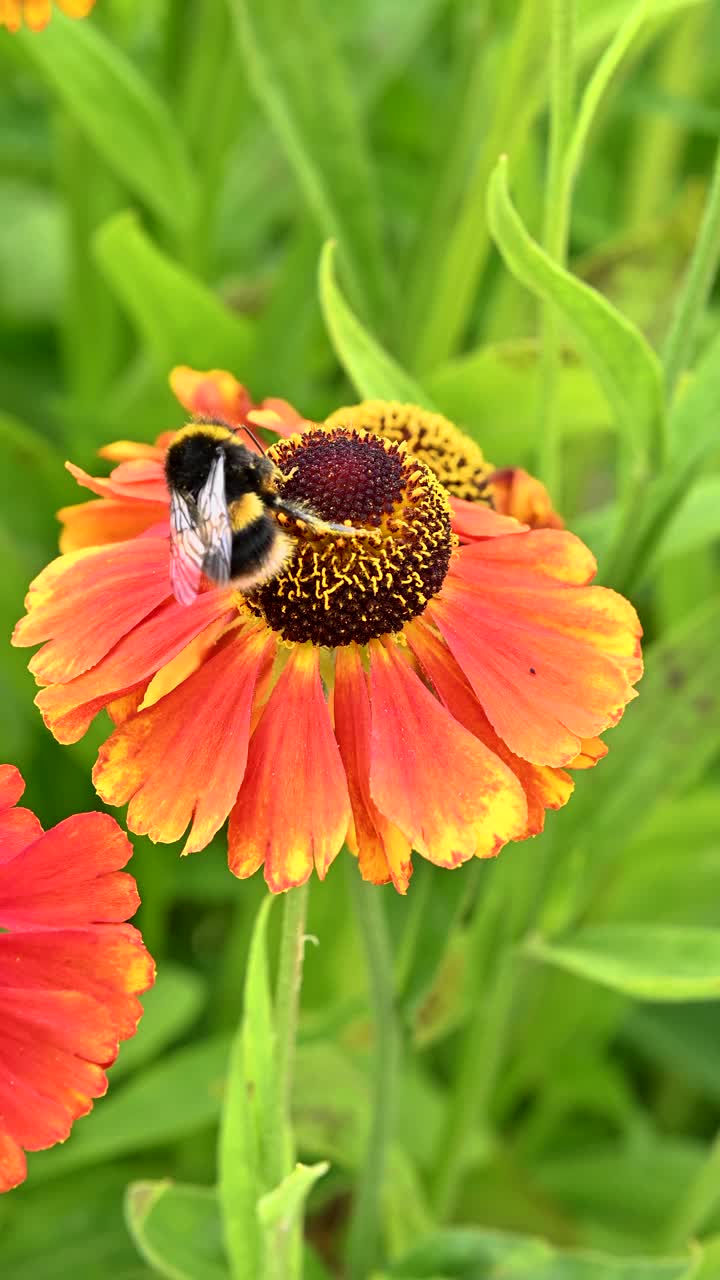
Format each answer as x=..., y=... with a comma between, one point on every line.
x=455, y=459
x=344, y=588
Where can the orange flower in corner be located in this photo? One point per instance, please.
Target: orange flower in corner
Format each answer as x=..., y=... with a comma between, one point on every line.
x=37, y=13
x=389, y=687
x=70, y=971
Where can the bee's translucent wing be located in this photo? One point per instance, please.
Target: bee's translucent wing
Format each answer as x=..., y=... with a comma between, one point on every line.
x=214, y=521
x=200, y=536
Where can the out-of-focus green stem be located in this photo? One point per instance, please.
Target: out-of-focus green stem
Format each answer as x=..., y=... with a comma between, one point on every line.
x=363, y=1241
x=690, y=305
x=555, y=230
x=699, y=1201
x=287, y=1003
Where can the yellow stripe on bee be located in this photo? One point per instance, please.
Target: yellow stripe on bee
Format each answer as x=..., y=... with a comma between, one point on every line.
x=215, y=430
x=246, y=511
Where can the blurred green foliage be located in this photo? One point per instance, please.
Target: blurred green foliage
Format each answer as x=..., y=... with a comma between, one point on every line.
x=169, y=170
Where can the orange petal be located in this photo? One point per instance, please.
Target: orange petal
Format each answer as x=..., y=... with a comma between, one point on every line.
x=517, y=493
x=592, y=750
x=76, y=8
x=84, y=603
x=68, y=709
x=544, y=787
x=92, y=524
x=450, y=796
x=13, y=1165
x=553, y=553
x=126, y=450
x=213, y=394
x=471, y=520
x=18, y=827
x=184, y=758
x=138, y=479
x=383, y=852
x=293, y=808
x=542, y=690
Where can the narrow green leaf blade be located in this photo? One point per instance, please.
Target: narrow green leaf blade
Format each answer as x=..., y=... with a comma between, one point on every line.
x=280, y=1210
x=179, y=319
x=374, y=373
x=625, y=366
x=119, y=112
x=290, y=53
x=177, y=1229
x=246, y=1114
x=650, y=962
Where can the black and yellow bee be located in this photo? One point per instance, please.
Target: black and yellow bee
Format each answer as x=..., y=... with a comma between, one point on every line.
x=224, y=504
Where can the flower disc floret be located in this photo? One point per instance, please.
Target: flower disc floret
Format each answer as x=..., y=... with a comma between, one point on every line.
x=342, y=589
x=457, y=462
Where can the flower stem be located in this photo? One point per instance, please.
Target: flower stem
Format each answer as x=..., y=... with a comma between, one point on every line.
x=363, y=1241
x=483, y=1045
x=557, y=210
x=700, y=275
x=287, y=1002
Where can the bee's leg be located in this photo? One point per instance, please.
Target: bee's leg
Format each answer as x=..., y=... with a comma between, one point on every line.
x=304, y=517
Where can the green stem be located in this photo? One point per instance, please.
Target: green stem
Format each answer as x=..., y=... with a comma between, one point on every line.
x=694, y=294
x=556, y=223
x=697, y=1204
x=287, y=1002
x=492, y=963
x=363, y=1241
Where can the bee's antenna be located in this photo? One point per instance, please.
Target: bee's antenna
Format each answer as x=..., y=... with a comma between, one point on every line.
x=253, y=437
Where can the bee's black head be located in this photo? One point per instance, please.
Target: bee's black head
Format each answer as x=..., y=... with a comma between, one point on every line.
x=189, y=459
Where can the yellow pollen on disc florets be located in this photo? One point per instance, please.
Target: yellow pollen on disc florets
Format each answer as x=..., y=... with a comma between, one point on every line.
x=455, y=459
x=337, y=588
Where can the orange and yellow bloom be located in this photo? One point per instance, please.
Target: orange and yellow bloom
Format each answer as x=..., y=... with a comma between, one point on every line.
x=37, y=13
x=425, y=688
x=70, y=971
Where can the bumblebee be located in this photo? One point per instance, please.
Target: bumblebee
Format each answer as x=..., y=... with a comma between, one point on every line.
x=224, y=509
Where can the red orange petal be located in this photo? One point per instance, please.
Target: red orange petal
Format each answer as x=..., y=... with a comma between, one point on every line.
x=542, y=690
x=138, y=479
x=126, y=450
x=211, y=394
x=68, y=709
x=69, y=875
x=516, y=493
x=473, y=520
x=383, y=851
x=544, y=787
x=198, y=736
x=13, y=1165
x=293, y=808
x=449, y=795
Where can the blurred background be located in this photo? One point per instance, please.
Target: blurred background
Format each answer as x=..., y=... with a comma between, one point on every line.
x=169, y=170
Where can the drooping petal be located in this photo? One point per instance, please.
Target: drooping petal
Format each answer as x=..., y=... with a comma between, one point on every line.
x=137, y=480
x=81, y=605
x=544, y=787
x=516, y=493
x=69, y=875
x=68, y=709
x=473, y=520
x=383, y=851
x=197, y=735
x=446, y=792
x=293, y=808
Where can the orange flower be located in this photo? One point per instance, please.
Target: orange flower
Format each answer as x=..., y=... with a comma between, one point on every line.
x=217, y=394
x=70, y=971
x=37, y=13
x=398, y=691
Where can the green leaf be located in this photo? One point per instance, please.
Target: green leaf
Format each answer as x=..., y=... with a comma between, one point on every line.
x=175, y=1098
x=650, y=962
x=626, y=367
x=467, y=1253
x=693, y=419
x=289, y=54
x=130, y=126
x=280, y=1210
x=694, y=523
x=375, y=374
x=170, y=1006
x=681, y=1037
x=247, y=1121
x=177, y=1229
x=493, y=393
x=177, y=317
